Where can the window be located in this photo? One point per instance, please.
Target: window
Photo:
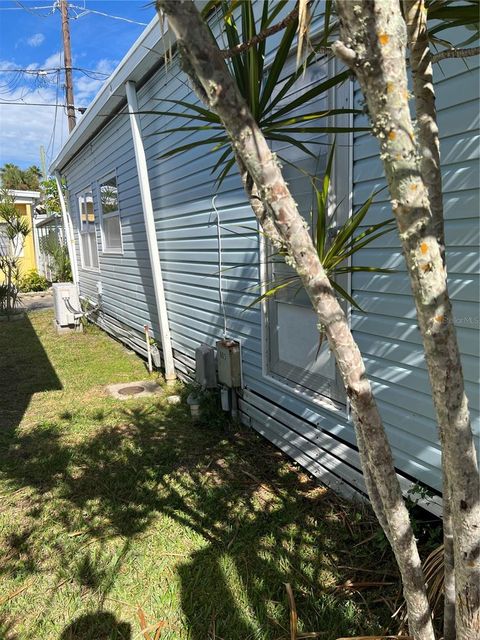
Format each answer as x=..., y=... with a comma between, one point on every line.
x=111, y=229
x=88, y=236
x=295, y=355
x=11, y=248
x=4, y=241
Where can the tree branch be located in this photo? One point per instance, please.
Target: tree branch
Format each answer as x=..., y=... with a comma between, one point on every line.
x=260, y=37
x=266, y=33
x=456, y=53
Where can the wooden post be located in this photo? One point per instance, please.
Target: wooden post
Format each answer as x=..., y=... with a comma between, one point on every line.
x=67, y=61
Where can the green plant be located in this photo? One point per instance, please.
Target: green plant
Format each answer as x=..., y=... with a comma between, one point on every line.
x=32, y=281
x=263, y=88
x=50, y=197
x=14, y=230
x=211, y=412
x=445, y=15
x=58, y=252
x=12, y=177
x=334, y=245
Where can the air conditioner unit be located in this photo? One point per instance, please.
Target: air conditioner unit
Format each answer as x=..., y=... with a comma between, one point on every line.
x=66, y=303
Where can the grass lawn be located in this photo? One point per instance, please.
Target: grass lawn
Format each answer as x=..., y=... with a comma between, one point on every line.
x=108, y=506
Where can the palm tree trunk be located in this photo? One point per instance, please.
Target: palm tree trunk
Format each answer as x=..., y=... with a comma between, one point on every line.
x=206, y=67
x=373, y=44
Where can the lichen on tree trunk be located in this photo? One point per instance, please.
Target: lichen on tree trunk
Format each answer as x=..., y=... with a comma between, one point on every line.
x=415, y=13
x=373, y=44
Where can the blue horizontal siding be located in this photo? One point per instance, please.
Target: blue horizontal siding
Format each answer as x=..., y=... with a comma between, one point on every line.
x=386, y=330
x=185, y=218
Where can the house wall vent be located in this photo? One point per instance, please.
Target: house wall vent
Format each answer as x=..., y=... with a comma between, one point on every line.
x=65, y=302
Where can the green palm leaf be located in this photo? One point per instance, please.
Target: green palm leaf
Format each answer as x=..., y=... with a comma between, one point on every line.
x=322, y=207
x=302, y=100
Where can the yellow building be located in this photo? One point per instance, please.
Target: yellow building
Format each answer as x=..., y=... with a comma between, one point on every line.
x=25, y=202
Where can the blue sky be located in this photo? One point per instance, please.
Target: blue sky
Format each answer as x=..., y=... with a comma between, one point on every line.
x=31, y=38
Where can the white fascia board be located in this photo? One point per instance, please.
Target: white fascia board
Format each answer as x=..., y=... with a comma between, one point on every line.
x=24, y=197
x=43, y=221
x=141, y=57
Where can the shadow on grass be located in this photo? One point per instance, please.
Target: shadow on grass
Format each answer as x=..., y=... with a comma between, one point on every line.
x=246, y=520
x=262, y=521
x=21, y=352
x=102, y=625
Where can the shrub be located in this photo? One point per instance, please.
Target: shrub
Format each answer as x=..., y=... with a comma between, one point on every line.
x=32, y=281
x=58, y=252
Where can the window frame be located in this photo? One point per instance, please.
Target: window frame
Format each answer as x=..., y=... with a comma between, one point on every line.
x=87, y=228
x=4, y=240
x=343, y=189
x=111, y=214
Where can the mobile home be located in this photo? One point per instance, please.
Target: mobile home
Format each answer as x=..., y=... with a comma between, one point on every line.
x=156, y=242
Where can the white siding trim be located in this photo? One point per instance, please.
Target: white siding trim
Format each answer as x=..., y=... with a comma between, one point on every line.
x=147, y=207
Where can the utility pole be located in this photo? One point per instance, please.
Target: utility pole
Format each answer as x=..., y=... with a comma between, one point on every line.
x=67, y=61
x=43, y=162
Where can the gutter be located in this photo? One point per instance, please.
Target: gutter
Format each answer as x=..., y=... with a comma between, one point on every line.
x=68, y=226
x=140, y=61
x=147, y=207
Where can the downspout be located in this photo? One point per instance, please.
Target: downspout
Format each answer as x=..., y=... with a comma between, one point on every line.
x=68, y=226
x=36, y=241
x=153, y=253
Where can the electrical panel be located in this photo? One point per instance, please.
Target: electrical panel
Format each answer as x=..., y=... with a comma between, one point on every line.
x=229, y=363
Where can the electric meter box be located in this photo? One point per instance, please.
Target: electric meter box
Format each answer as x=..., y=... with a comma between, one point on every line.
x=229, y=363
x=205, y=370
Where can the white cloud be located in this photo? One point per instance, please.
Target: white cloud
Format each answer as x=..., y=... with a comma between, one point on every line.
x=87, y=86
x=53, y=61
x=36, y=40
x=24, y=128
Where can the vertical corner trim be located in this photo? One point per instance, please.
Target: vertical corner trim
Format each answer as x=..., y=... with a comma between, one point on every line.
x=147, y=206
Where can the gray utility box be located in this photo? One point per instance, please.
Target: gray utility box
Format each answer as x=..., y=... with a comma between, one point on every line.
x=229, y=363
x=205, y=370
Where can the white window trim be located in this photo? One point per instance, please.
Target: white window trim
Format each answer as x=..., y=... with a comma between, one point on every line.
x=112, y=214
x=307, y=395
x=90, y=227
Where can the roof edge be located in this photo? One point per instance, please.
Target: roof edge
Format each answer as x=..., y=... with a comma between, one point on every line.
x=141, y=54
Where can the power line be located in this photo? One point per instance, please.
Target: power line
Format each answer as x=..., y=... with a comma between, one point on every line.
x=32, y=9
x=86, y=11
x=38, y=104
x=51, y=143
x=22, y=8
x=51, y=70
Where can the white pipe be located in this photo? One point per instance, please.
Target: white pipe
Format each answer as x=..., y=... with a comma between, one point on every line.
x=149, y=348
x=147, y=206
x=67, y=223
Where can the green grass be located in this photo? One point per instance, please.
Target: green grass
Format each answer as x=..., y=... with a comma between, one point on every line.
x=108, y=506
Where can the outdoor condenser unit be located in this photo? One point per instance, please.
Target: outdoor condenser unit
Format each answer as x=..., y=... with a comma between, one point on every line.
x=66, y=303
